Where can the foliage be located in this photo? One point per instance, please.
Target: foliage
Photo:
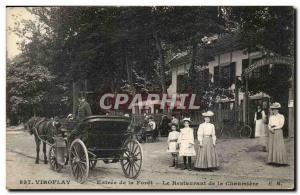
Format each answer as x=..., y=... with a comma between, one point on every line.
x=126, y=49
x=26, y=87
x=268, y=29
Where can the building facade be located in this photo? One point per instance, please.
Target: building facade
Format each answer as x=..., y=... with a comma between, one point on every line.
x=228, y=61
x=224, y=68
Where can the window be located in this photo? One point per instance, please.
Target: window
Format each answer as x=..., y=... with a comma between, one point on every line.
x=203, y=78
x=216, y=75
x=204, y=75
x=245, y=64
x=182, y=82
x=224, y=76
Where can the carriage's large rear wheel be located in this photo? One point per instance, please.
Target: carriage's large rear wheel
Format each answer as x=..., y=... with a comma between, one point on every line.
x=79, y=161
x=132, y=159
x=53, y=161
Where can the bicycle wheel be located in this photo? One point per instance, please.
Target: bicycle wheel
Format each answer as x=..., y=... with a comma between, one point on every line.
x=219, y=131
x=245, y=131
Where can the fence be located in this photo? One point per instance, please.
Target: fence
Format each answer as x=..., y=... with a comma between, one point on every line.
x=220, y=115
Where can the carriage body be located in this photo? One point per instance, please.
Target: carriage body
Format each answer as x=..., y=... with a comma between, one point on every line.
x=105, y=136
x=95, y=138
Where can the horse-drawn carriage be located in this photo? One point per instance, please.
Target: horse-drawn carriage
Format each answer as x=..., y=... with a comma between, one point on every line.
x=95, y=138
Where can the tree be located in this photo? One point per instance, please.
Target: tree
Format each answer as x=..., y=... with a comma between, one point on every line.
x=268, y=29
x=113, y=49
x=27, y=87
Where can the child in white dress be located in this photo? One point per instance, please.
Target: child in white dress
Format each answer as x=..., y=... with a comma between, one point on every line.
x=186, y=143
x=173, y=145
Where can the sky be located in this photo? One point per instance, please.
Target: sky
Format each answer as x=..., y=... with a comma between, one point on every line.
x=13, y=15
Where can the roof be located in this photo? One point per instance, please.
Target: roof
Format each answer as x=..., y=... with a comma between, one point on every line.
x=259, y=96
x=224, y=44
x=106, y=118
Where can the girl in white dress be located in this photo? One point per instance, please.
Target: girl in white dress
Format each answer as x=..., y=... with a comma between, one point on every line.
x=173, y=145
x=207, y=155
x=186, y=143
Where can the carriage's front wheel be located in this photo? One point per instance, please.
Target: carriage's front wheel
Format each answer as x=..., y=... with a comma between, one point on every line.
x=53, y=161
x=132, y=159
x=79, y=161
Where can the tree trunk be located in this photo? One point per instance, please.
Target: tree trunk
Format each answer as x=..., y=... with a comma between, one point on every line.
x=193, y=84
x=161, y=65
x=129, y=75
x=75, y=97
x=194, y=54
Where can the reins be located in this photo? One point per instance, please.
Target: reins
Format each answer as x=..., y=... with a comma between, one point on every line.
x=40, y=136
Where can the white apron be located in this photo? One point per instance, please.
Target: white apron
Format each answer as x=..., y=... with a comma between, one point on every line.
x=260, y=128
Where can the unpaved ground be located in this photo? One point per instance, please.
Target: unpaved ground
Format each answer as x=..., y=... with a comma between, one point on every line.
x=242, y=167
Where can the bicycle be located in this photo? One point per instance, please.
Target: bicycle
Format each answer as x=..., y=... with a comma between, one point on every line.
x=237, y=129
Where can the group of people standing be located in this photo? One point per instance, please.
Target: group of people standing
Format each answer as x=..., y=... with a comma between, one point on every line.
x=268, y=130
x=182, y=143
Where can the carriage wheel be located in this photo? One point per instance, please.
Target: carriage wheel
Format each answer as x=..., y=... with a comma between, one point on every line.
x=79, y=161
x=132, y=159
x=245, y=131
x=53, y=162
x=219, y=131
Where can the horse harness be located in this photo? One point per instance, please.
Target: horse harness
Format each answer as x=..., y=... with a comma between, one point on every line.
x=36, y=126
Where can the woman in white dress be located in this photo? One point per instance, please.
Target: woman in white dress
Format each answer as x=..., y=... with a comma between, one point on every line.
x=186, y=143
x=260, y=127
x=207, y=156
x=277, y=153
x=173, y=145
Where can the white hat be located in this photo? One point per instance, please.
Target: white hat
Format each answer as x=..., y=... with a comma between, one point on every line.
x=275, y=105
x=186, y=119
x=208, y=113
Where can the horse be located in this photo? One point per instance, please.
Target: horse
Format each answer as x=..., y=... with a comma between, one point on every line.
x=43, y=130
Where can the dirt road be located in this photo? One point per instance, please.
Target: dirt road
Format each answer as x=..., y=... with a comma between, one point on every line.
x=242, y=167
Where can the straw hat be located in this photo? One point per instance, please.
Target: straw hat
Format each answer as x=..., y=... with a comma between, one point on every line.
x=186, y=119
x=275, y=105
x=208, y=114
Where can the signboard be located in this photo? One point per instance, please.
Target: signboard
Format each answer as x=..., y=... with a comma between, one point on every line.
x=269, y=60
